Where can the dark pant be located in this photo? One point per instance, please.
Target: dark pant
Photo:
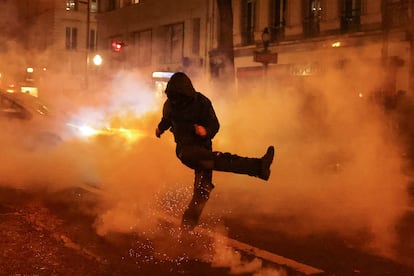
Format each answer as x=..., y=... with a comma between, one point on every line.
x=203, y=160
x=201, y=194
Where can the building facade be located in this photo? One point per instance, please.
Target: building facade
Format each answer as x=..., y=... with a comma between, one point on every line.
x=312, y=36
x=308, y=37
x=158, y=35
x=53, y=37
x=70, y=28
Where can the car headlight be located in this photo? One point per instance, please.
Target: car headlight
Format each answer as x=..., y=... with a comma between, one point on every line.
x=84, y=130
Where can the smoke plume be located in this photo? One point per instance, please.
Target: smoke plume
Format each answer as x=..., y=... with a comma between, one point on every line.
x=338, y=164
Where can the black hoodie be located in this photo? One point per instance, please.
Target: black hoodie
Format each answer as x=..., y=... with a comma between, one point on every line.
x=183, y=109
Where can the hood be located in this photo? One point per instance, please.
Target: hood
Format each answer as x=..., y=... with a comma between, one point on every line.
x=179, y=86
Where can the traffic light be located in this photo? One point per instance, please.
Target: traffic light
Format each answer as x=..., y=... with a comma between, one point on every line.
x=117, y=46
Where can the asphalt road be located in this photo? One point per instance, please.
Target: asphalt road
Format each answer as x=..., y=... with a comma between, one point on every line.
x=329, y=252
x=44, y=235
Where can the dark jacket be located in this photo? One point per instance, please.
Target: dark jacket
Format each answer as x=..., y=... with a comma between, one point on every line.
x=183, y=109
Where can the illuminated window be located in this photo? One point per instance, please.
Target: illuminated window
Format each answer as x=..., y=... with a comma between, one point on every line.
x=129, y=2
x=312, y=12
x=71, y=41
x=94, y=5
x=71, y=5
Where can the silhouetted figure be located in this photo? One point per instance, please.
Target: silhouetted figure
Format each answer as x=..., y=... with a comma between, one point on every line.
x=191, y=118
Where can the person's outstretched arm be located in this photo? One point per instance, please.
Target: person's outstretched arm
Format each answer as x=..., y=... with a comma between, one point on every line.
x=165, y=122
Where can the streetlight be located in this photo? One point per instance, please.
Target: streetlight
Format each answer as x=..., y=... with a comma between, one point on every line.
x=265, y=56
x=266, y=39
x=97, y=60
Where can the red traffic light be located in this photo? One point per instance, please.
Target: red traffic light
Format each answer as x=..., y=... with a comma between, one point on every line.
x=117, y=46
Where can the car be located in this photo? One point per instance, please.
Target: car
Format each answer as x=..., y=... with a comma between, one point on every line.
x=27, y=120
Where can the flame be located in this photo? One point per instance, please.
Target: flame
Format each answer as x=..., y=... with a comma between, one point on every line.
x=130, y=135
x=84, y=130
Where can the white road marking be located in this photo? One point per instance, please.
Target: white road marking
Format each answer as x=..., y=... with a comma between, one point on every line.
x=262, y=254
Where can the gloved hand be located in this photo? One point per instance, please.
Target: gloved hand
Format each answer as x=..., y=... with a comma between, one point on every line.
x=158, y=132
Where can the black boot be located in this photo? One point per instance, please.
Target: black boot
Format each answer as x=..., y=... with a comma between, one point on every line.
x=192, y=214
x=267, y=160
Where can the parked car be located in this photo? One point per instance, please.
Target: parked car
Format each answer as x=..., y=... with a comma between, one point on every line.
x=26, y=120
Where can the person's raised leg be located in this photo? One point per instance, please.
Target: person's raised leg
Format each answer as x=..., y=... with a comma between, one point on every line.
x=258, y=167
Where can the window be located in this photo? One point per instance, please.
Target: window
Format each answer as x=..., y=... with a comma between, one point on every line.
x=129, y=2
x=312, y=12
x=248, y=21
x=71, y=5
x=196, y=36
x=112, y=5
x=94, y=6
x=143, y=47
x=351, y=14
x=278, y=19
x=396, y=13
x=92, y=40
x=174, y=43
x=71, y=38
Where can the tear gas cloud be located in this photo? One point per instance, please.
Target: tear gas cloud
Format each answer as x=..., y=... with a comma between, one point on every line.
x=337, y=166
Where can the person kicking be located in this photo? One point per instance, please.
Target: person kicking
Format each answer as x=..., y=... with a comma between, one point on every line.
x=190, y=116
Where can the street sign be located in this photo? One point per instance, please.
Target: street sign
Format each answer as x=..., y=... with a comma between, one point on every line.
x=265, y=57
